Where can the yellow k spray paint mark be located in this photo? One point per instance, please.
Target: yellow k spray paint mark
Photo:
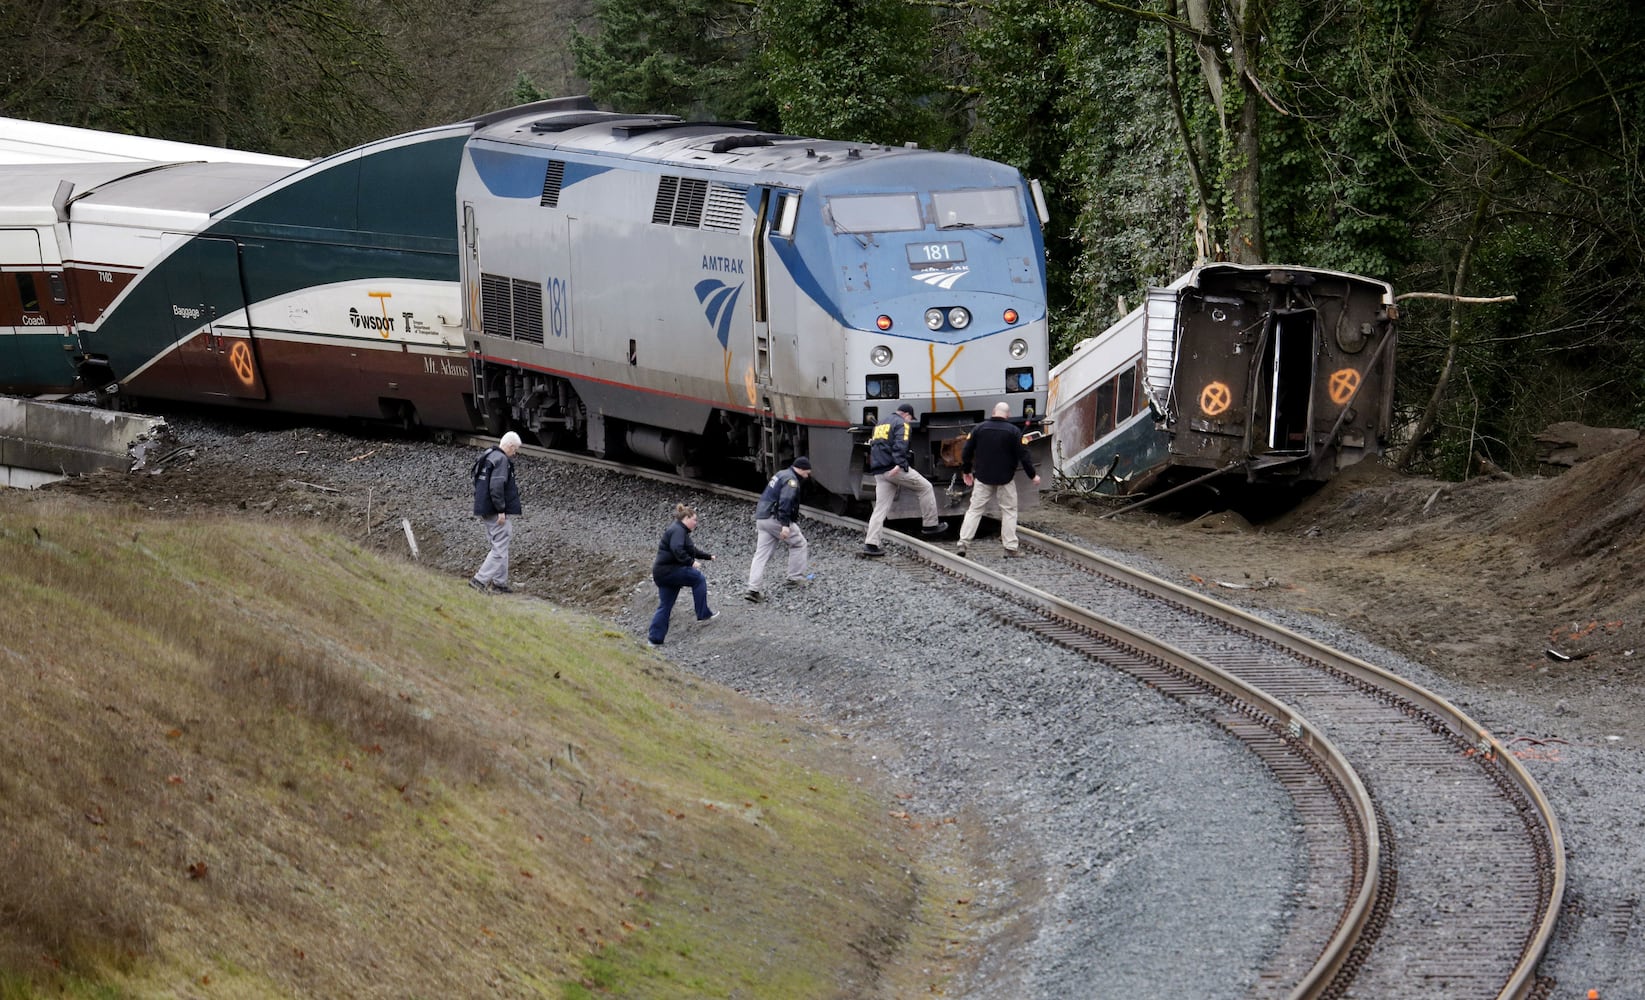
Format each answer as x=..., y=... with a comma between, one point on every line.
x=938, y=373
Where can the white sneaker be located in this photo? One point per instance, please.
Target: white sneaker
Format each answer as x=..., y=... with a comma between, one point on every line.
x=711, y=616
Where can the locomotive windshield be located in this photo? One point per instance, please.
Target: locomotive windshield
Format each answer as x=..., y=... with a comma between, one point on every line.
x=875, y=213
x=990, y=207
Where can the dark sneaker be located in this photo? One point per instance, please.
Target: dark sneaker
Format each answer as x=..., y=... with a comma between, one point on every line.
x=801, y=581
x=933, y=529
x=477, y=585
x=1012, y=553
x=502, y=588
x=872, y=550
x=753, y=597
x=711, y=616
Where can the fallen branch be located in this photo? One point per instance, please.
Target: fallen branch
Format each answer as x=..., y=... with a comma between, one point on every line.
x=1472, y=300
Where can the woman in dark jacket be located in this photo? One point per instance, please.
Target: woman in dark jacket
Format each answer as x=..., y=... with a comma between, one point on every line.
x=676, y=568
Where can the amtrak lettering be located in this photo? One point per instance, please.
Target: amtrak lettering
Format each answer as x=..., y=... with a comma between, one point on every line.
x=359, y=319
x=34, y=321
x=725, y=265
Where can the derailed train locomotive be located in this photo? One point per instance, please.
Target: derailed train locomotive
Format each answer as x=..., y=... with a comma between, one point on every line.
x=633, y=284
x=1252, y=374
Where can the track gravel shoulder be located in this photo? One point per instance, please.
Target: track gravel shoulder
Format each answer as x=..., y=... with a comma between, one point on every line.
x=1088, y=829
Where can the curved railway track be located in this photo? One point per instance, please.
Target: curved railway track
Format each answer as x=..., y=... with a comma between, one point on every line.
x=1469, y=865
x=1435, y=866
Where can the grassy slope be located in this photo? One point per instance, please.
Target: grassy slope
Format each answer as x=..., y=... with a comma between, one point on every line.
x=251, y=760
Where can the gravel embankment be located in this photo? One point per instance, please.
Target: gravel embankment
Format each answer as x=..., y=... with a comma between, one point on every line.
x=1135, y=849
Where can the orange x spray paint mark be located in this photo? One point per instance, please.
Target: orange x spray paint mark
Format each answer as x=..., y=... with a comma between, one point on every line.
x=1215, y=399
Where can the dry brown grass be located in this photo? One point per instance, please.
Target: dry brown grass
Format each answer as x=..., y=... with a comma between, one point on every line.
x=256, y=760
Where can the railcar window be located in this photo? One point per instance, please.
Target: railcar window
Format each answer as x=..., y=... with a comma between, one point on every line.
x=991, y=208
x=1125, y=399
x=26, y=292
x=1105, y=410
x=875, y=213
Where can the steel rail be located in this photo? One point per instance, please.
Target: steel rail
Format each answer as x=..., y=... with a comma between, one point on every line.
x=1523, y=982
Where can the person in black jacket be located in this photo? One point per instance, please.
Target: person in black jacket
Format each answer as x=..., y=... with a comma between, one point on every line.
x=675, y=568
x=777, y=519
x=989, y=462
x=888, y=464
x=496, y=496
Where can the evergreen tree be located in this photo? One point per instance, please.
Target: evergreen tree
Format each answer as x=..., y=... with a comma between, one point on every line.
x=693, y=58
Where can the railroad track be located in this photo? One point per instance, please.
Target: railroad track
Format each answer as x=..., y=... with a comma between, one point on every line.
x=1434, y=865
x=1465, y=869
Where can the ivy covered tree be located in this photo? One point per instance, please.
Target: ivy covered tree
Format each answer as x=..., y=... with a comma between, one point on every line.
x=1061, y=94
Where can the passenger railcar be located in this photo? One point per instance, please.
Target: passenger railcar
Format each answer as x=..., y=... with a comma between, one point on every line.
x=1275, y=375
x=688, y=292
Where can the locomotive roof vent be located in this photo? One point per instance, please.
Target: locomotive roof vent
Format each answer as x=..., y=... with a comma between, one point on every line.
x=656, y=123
x=731, y=142
x=561, y=123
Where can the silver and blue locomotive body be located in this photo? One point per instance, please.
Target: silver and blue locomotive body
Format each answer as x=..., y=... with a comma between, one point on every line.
x=698, y=292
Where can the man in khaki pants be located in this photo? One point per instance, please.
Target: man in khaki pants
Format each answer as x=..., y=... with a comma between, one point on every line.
x=990, y=460
x=889, y=464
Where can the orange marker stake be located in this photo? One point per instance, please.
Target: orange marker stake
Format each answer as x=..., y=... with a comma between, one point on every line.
x=1593, y=995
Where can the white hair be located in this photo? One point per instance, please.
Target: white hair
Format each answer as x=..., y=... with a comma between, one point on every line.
x=509, y=440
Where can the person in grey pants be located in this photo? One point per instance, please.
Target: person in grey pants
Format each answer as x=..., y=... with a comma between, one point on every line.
x=777, y=519
x=496, y=496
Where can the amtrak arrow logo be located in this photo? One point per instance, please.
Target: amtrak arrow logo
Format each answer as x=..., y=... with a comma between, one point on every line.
x=719, y=305
x=941, y=279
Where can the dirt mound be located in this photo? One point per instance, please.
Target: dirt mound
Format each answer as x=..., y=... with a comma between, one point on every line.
x=1596, y=509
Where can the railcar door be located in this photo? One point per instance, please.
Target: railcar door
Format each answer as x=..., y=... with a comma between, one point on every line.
x=1283, y=383
x=1218, y=338
x=36, y=322
x=209, y=317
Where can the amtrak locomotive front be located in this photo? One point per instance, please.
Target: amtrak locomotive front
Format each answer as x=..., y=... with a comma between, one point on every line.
x=696, y=292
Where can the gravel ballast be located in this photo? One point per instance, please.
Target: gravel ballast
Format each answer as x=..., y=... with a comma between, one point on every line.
x=1133, y=849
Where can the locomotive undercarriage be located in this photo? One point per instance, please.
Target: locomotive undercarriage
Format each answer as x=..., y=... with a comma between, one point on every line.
x=550, y=409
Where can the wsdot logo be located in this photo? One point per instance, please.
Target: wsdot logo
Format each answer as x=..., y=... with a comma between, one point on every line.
x=364, y=322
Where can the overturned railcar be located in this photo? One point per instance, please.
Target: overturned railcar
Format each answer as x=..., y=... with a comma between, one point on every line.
x=1275, y=375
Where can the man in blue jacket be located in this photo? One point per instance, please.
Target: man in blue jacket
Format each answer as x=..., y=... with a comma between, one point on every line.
x=990, y=460
x=496, y=496
x=777, y=519
x=888, y=464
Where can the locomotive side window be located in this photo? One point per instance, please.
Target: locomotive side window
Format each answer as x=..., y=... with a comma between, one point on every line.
x=788, y=210
x=875, y=213
x=991, y=208
x=26, y=292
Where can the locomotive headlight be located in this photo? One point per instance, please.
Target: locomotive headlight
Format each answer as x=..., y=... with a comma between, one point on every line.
x=933, y=319
x=1019, y=348
x=959, y=318
x=880, y=355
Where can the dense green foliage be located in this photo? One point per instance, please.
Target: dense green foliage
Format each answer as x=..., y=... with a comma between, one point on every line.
x=1477, y=149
